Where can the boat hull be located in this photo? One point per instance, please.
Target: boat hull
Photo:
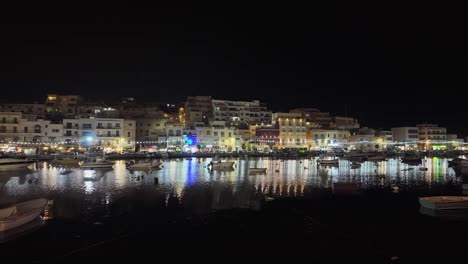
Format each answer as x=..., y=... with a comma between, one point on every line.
x=26, y=212
x=257, y=170
x=97, y=165
x=140, y=166
x=444, y=202
x=8, y=164
x=223, y=165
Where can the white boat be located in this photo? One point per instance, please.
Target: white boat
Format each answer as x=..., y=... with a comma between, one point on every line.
x=221, y=165
x=98, y=164
x=21, y=213
x=12, y=163
x=145, y=165
x=257, y=170
x=444, y=202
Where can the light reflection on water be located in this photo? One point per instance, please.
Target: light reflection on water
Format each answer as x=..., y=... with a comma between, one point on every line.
x=190, y=179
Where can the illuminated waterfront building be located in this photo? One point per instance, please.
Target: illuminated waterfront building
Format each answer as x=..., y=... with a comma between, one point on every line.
x=292, y=130
x=109, y=134
x=15, y=127
x=318, y=138
x=217, y=136
x=236, y=113
x=431, y=136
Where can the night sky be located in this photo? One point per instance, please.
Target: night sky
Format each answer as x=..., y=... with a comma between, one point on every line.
x=391, y=65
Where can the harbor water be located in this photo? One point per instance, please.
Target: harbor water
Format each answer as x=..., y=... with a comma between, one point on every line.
x=185, y=202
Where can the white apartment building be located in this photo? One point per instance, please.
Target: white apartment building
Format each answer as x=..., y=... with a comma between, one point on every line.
x=237, y=112
x=217, y=136
x=321, y=138
x=405, y=134
x=14, y=127
x=111, y=134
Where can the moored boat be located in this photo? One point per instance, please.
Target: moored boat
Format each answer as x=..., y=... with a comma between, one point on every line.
x=257, y=170
x=444, y=202
x=98, y=164
x=21, y=213
x=65, y=162
x=376, y=158
x=12, y=163
x=145, y=165
x=221, y=165
x=328, y=161
x=458, y=162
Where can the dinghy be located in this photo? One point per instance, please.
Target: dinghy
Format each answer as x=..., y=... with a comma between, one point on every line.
x=21, y=213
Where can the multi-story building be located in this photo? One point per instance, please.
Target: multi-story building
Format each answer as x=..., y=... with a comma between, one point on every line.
x=97, y=109
x=14, y=127
x=432, y=132
x=141, y=111
x=30, y=109
x=342, y=122
x=267, y=136
x=198, y=109
x=431, y=136
x=217, y=136
x=368, y=142
x=66, y=105
x=406, y=136
x=323, y=119
x=241, y=112
x=103, y=133
x=387, y=133
x=149, y=129
x=319, y=138
x=292, y=130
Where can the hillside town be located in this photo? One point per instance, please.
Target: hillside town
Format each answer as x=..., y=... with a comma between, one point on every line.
x=201, y=124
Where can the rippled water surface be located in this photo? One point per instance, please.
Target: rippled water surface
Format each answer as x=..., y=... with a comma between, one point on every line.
x=179, y=178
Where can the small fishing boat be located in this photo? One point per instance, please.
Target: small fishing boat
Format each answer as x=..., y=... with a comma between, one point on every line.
x=257, y=170
x=98, y=164
x=221, y=165
x=327, y=160
x=21, y=213
x=444, y=202
x=144, y=165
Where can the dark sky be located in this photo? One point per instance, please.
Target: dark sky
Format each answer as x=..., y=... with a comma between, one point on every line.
x=391, y=64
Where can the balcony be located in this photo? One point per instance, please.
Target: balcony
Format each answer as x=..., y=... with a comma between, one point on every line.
x=9, y=122
x=108, y=127
x=107, y=136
